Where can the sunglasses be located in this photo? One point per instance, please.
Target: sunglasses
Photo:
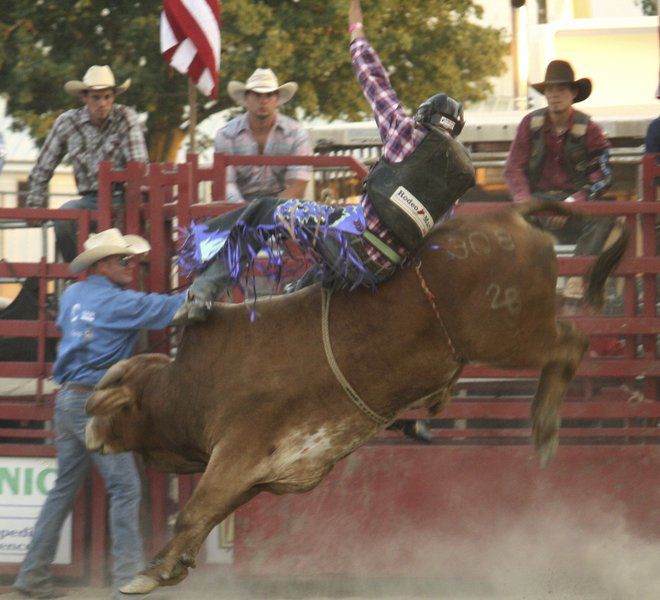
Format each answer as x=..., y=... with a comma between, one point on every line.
x=124, y=261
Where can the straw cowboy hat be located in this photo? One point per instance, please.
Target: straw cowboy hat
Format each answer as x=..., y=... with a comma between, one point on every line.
x=98, y=77
x=262, y=81
x=560, y=71
x=107, y=243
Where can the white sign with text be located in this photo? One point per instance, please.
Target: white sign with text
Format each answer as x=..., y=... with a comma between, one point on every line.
x=24, y=484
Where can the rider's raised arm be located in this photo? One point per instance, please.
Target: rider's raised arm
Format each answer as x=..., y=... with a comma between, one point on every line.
x=355, y=20
x=390, y=117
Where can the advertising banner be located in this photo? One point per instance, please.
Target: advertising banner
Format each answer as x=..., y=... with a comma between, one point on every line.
x=24, y=484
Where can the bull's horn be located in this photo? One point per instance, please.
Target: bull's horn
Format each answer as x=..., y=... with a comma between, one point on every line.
x=107, y=402
x=113, y=375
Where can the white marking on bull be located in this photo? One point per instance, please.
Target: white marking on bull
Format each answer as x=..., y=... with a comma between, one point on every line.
x=508, y=298
x=303, y=458
x=299, y=446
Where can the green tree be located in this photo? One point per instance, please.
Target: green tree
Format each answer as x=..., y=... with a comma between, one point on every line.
x=649, y=7
x=427, y=47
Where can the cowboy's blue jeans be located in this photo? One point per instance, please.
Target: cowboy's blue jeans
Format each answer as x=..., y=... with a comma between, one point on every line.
x=123, y=488
x=66, y=231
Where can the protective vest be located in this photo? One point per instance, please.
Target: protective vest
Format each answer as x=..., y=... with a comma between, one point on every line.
x=576, y=153
x=410, y=196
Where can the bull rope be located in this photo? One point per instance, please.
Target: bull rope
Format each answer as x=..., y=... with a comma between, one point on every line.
x=430, y=296
x=346, y=386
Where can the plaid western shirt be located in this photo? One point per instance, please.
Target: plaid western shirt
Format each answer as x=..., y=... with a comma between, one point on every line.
x=119, y=139
x=287, y=137
x=554, y=175
x=398, y=131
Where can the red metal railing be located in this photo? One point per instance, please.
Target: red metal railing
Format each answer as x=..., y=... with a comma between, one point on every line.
x=160, y=197
x=33, y=413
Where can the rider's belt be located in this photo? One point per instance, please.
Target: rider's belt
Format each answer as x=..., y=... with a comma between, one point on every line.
x=382, y=247
x=78, y=387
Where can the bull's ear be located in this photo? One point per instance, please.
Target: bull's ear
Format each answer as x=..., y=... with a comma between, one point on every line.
x=113, y=375
x=103, y=403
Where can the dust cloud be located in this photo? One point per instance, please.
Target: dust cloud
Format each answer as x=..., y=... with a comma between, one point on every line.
x=555, y=557
x=522, y=557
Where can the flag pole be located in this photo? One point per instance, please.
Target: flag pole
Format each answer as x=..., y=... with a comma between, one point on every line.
x=192, y=103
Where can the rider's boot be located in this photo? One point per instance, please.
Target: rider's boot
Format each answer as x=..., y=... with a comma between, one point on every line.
x=309, y=277
x=417, y=429
x=202, y=293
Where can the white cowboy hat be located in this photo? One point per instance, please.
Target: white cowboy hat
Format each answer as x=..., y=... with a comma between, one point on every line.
x=107, y=243
x=262, y=81
x=98, y=77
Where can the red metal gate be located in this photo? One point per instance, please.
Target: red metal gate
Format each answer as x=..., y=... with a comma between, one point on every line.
x=479, y=471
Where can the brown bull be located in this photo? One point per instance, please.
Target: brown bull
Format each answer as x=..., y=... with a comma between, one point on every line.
x=273, y=405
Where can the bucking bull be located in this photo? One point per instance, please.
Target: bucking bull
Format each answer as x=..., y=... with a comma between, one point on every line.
x=272, y=405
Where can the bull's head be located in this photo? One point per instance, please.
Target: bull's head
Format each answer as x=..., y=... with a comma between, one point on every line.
x=114, y=404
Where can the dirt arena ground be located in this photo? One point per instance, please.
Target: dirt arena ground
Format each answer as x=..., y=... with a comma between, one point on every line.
x=625, y=574
x=557, y=562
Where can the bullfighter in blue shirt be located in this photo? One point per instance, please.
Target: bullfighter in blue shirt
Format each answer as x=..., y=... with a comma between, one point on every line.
x=100, y=320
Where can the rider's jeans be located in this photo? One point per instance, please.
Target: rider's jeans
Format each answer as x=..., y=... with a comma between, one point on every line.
x=66, y=232
x=123, y=488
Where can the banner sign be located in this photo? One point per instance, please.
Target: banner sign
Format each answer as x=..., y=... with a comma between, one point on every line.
x=24, y=484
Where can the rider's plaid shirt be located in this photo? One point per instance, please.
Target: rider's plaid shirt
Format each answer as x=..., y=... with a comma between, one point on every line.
x=398, y=132
x=119, y=139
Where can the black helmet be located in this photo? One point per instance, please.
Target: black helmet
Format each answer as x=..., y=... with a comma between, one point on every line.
x=441, y=111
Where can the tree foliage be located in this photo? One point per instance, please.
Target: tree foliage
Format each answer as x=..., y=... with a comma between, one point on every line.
x=427, y=47
x=649, y=7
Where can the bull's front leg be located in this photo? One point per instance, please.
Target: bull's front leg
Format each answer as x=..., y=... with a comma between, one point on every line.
x=221, y=490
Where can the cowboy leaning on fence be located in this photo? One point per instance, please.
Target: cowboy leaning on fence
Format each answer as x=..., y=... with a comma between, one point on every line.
x=99, y=130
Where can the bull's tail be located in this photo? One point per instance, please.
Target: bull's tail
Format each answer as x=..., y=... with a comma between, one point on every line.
x=605, y=263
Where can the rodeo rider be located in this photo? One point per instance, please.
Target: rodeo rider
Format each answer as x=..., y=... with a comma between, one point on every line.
x=405, y=194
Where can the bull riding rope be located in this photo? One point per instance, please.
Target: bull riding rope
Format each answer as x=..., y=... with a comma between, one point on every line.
x=346, y=386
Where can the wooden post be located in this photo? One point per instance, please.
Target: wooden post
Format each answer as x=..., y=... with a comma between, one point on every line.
x=192, y=103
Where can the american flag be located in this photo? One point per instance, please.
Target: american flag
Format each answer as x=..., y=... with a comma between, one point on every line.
x=190, y=40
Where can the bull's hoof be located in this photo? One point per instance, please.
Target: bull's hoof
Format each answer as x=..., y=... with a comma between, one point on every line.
x=140, y=584
x=547, y=449
x=179, y=572
x=187, y=560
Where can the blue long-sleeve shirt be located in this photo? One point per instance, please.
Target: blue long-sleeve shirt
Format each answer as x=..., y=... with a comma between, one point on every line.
x=100, y=323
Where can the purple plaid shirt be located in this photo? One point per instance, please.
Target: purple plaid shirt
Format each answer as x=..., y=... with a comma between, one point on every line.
x=397, y=130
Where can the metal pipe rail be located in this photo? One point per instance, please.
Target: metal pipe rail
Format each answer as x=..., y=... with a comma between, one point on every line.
x=161, y=197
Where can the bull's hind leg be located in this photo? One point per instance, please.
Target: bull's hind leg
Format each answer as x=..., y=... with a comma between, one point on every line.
x=556, y=375
x=221, y=490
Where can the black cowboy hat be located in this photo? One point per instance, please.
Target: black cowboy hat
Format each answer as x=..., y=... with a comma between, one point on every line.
x=560, y=71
